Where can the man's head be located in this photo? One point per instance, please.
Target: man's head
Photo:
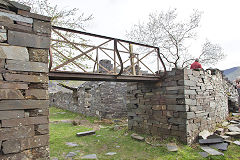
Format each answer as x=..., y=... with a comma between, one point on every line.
x=196, y=60
x=238, y=79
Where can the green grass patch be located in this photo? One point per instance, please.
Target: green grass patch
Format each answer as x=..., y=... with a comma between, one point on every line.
x=107, y=140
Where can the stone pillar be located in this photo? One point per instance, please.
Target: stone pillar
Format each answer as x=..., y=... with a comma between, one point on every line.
x=158, y=108
x=24, y=121
x=185, y=103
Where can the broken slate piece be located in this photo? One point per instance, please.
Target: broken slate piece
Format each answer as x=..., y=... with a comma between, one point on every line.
x=110, y=153
x=172, y=147
x=85, y=133
x=137, y=137
x=234, y=122
x=211, y=151
x=236, y=114
x=209, y=141
x=204, y=134
x=220, y=146
x=71, y=154
x=90, y=156
x=203, y=154
x=233, y=128
x=237, y=143
x=71, y=144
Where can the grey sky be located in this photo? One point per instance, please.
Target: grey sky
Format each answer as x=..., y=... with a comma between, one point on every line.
x=219, y=24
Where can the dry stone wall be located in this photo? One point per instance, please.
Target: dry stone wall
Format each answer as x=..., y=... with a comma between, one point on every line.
x=24, y=45
x=182, y=105
x=100, y=99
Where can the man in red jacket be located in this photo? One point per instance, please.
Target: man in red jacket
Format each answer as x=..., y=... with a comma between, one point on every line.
x=196, y=64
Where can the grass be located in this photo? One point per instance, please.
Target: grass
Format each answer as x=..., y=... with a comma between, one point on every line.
x=107, y=140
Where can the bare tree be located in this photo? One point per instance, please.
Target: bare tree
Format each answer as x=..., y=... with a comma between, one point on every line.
x=63, y=17
x=172, y=37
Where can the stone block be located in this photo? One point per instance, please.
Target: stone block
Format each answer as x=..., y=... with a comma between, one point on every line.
x=177, y=121
x=38, y=55
x=190, y=92
x=176, y=107
x=3, y=35
x=37, y=93
x=33, y=15
x=13, y=85
x=190, y=83
x=20, y=6
x=24, y=121
x=16, y=17
x=16, y=132
x=6, y=20
x=11, y=114
x=38, y=112
x=42, y=78
x=10, y=94
x=11, y=146
x=23, y=104
x=16, y=27
x=190, y=102
x=159, y=107
x=42, y=129
x=13, y=52
x=16, y=65
x=157, y=115
x=42, y=26
x=33, y=142
x=28, y=40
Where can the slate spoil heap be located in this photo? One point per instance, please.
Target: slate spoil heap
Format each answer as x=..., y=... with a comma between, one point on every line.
x=215, y=143
x=24, y=46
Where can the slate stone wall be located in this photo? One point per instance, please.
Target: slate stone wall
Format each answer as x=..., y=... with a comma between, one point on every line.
x=24, y=45
x=100, y=99
x=181, y=106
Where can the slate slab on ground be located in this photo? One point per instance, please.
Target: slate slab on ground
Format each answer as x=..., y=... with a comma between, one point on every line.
x=203, y=154
x=80, y=134
x=90, y=156
x=211, y=151
x=220, y=146
x=172, y=147
x=137, y=137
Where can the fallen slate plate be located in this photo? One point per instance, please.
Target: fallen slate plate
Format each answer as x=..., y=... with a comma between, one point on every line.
x=172, y=147
x=236, y=114
x=110, y=153
x=137, y=137
x=85, y=133
x=90, y=156
x=204, y=134
x=234, y=128
x=234, y=122
x=232, y=133
x=71, y=154
x=220, y=146
x=237, y=143
x=71, y=144
x=211, y=141
x=203, y=154
x=211, y=151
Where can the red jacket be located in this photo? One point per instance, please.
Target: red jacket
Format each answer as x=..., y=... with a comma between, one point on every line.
x=196, y=65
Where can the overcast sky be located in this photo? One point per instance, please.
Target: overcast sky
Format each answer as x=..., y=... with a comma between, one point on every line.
x=220, y=21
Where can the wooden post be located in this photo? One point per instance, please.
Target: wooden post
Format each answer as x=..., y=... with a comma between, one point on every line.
x=132, y=59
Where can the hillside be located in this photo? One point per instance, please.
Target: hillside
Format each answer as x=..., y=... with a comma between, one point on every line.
x=232, y=73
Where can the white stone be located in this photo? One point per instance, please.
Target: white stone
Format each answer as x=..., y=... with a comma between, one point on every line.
x=13, y=52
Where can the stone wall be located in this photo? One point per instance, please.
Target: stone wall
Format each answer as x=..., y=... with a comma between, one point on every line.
x=182, y=105
x=100, y=99
x=25, y=41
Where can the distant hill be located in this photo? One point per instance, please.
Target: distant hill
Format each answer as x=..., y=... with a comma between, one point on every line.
x=232, y=73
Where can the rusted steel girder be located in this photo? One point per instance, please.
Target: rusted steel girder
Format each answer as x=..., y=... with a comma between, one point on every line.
x=79, y=76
